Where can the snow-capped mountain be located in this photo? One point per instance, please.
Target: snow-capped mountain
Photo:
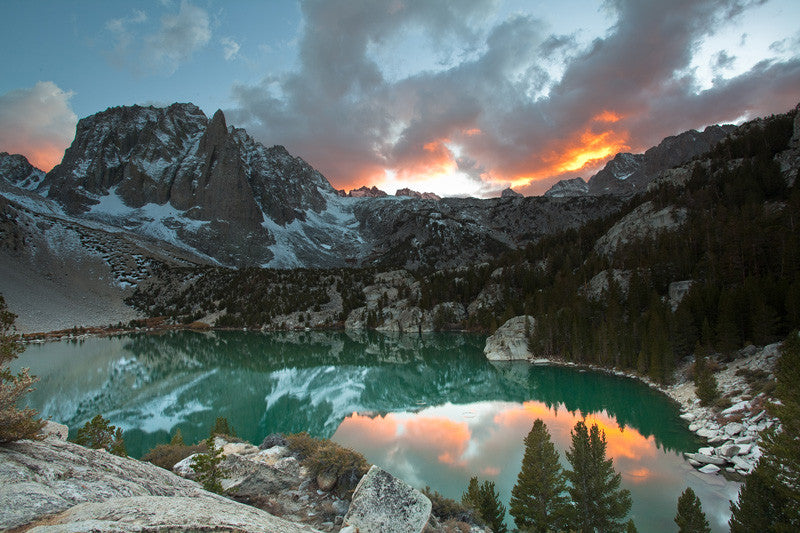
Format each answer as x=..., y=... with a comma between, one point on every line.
x=171, y=175
x=18, y=171
x=571, y=187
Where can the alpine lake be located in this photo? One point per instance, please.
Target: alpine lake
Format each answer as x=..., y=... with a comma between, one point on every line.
x=428, y=408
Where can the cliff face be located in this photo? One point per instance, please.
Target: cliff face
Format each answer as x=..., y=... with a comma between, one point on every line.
x=213, y=186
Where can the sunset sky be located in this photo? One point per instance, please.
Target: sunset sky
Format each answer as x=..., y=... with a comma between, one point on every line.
x=460, y=97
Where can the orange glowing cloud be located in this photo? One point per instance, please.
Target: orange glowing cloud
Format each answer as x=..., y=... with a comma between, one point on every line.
x=444, y=437
x=607, y=116
x=380, y=430
x=38, y=123
x=42, y=157
x=585, y=149
x=621, y=442
x=627, y=443
x=434, y=159
x=588, y=149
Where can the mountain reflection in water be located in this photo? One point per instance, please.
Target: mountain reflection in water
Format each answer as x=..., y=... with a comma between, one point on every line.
x=432, y=409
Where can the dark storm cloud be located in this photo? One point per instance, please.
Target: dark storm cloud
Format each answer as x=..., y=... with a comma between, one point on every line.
x=504, y=109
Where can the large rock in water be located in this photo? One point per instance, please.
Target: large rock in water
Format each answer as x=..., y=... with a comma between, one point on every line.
x=509, y=342
x=43, y=478
x=381, y=502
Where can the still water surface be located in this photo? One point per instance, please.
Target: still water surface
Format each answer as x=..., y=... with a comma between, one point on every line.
x=429, y=409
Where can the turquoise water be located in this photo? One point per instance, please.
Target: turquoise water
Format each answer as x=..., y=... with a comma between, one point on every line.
x=430, y=409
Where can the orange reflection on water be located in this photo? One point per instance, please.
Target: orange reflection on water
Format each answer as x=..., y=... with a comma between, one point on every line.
x=381, y=430
x=490, y=441
x=447, y=438
x=436, y=436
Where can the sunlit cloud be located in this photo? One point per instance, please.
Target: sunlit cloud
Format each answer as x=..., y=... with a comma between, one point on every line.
x=523, y=106
x=37, y=122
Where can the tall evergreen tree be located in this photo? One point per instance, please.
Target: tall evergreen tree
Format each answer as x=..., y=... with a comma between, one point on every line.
x=770, y=497
x=690, y=517
x=760, y=506
x=538, y=499
x=471, y=496
x=485, y=503
x=599, y=502
x=490, y=509
x=222, y=427
x=704, y=381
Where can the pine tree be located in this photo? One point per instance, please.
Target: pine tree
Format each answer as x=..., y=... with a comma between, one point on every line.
x=98, y=433
x=208, y=469
x=599, y=502
x=538, y=499
x=782, y=449
x=704, y=381
x=222, y=427
x=760, y=506
x=471, y=496
x=690, y=517
x=15, y=423
x=770, y=497
x=177, y=438
x=490, y=509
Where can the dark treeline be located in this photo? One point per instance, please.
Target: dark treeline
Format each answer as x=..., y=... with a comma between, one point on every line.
x=249, y=297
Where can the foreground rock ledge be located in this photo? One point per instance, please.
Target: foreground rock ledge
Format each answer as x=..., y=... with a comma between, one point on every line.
x=60, y=486
x=384, y=503
x=162, y=513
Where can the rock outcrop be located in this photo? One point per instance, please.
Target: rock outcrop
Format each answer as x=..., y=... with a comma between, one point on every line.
x=510, y=341
x=89, y=489
x=414, y=194
x=17, y=170
x=643, y=222
x=567, y=188
x=510, y=193
x=381, y=502
x=174, y=514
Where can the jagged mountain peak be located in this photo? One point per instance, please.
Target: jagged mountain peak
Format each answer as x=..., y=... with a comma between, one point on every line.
x=18, y=171
x=220, y=181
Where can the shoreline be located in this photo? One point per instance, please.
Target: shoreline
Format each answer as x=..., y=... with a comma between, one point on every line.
x=731, y=434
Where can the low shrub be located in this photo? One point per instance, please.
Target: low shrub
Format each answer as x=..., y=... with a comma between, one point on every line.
x=447, y=509
x=302, y=445
x=168, y=455
x=322, y=456
x=758, y=380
